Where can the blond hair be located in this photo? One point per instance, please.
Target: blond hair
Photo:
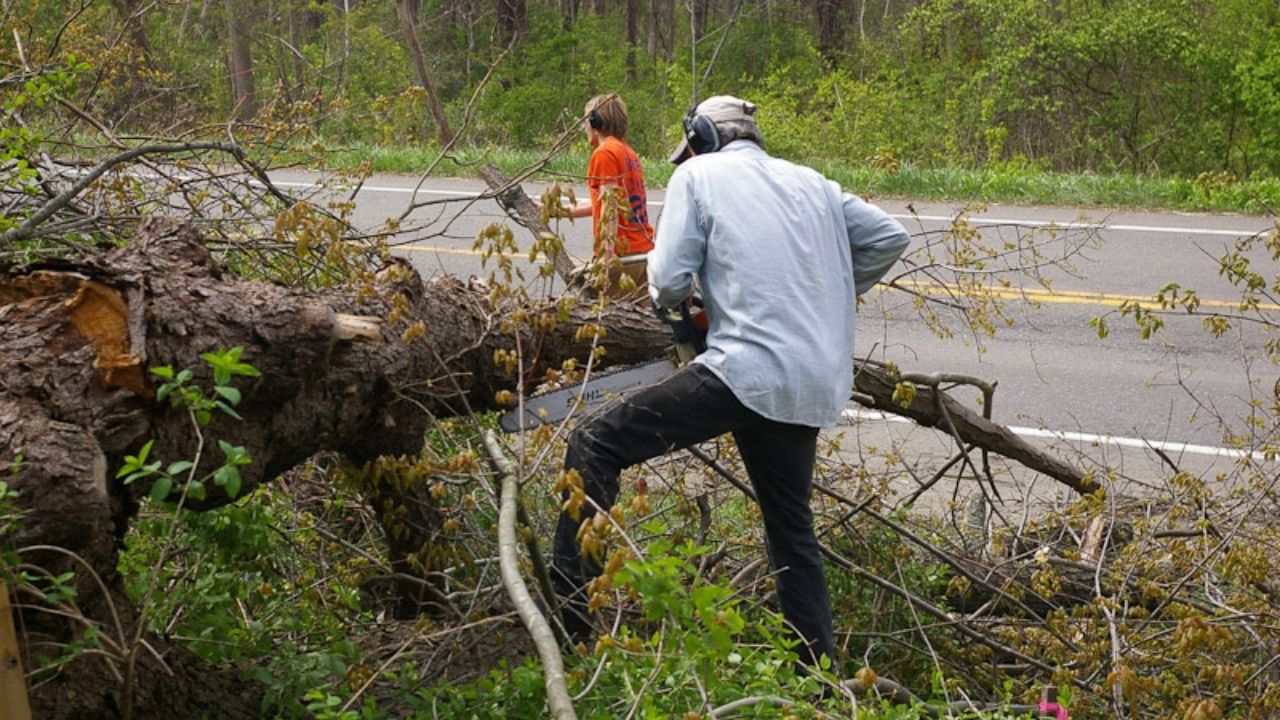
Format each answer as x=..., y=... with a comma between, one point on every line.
x=613, y=115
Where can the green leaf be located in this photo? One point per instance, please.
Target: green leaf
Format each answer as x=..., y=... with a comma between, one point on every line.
x=161, y=488
x=164, y=372
x=180, y=467
x=229, y=479
x=133, y=464
x=233, y=485
x=231, y=394
x=228, y=410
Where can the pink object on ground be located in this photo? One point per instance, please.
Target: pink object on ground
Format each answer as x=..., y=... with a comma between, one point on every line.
x=1052, y=708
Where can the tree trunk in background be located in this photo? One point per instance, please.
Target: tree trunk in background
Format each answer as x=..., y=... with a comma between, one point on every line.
x=652, y=37
x=633, y=36
x=568, y=13
x=512, y=21
x=130, y=12
x=244, y=102
x=303, y=25
x=407, y=12
x=667, y=16
x=830, y=34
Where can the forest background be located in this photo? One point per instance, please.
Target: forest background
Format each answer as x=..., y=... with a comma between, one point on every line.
x=1156, y=103
x=900, y=96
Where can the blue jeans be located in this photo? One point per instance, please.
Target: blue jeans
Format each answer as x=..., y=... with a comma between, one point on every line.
x=687, y=408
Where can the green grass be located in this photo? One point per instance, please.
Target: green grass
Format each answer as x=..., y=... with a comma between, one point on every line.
x=1012, y=184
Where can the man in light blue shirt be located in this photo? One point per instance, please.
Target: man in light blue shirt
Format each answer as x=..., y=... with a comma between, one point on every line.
x=779, y=254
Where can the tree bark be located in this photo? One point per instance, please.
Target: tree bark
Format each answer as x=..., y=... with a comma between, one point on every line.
x=939, y=410
x=521, y=209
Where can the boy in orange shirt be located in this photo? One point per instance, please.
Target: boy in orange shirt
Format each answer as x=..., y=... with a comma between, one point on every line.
x=622, y=239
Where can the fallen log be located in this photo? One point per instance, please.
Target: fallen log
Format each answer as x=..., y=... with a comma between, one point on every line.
x=360, y=371
x=933, y=408
x=77, y=340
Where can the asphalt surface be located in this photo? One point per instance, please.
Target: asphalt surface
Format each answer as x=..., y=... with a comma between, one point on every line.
x=1057, y=380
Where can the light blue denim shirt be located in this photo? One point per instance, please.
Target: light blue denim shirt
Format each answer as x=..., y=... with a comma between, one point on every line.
x=780, y=254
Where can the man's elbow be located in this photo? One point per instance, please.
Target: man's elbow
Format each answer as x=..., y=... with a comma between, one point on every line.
x=903, y=240
x=665, y=296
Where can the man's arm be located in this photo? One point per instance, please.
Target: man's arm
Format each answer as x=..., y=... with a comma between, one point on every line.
x=876, y=239
x=679, y=246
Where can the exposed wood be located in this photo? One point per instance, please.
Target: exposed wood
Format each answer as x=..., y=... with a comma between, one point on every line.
x=357, y=327
x=1091, y=542
x=13, y=685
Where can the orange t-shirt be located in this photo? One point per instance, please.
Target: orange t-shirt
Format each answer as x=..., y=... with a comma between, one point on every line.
x=613, y=162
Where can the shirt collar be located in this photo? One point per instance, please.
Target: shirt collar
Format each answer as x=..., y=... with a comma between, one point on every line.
x=743, y=145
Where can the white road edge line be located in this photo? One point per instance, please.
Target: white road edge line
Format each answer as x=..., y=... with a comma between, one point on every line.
x=1175, y=448
x=899, y=216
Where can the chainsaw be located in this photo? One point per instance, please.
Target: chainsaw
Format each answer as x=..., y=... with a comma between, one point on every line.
x=689, y=333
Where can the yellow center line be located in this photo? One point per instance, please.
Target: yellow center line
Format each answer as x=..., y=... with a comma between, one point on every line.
x=436, y=250
x=1072, y=297
x=1068, y=297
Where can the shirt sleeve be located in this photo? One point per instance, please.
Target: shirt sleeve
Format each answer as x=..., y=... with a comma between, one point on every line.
x=679, y=247
x=604, y=168
x=877, y=241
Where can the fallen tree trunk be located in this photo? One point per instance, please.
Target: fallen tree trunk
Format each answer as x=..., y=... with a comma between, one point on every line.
x=933, y=408
x=359, y=371
x=77, y=341
x=75, y=397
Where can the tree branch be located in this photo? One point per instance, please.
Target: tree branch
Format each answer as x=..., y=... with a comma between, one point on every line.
x=539, y=629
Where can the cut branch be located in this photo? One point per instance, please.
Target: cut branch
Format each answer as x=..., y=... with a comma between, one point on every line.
x=875, y=389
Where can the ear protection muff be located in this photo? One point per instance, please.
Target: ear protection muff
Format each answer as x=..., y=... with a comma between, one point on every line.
x=701, y=133
x=595, y=121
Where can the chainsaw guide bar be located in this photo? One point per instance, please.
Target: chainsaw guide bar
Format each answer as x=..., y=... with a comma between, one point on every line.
x=556, y=405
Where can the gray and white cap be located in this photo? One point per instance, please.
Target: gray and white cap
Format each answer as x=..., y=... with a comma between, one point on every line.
x=720, y=110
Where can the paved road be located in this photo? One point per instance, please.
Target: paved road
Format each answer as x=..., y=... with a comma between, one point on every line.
x=1054, y=373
